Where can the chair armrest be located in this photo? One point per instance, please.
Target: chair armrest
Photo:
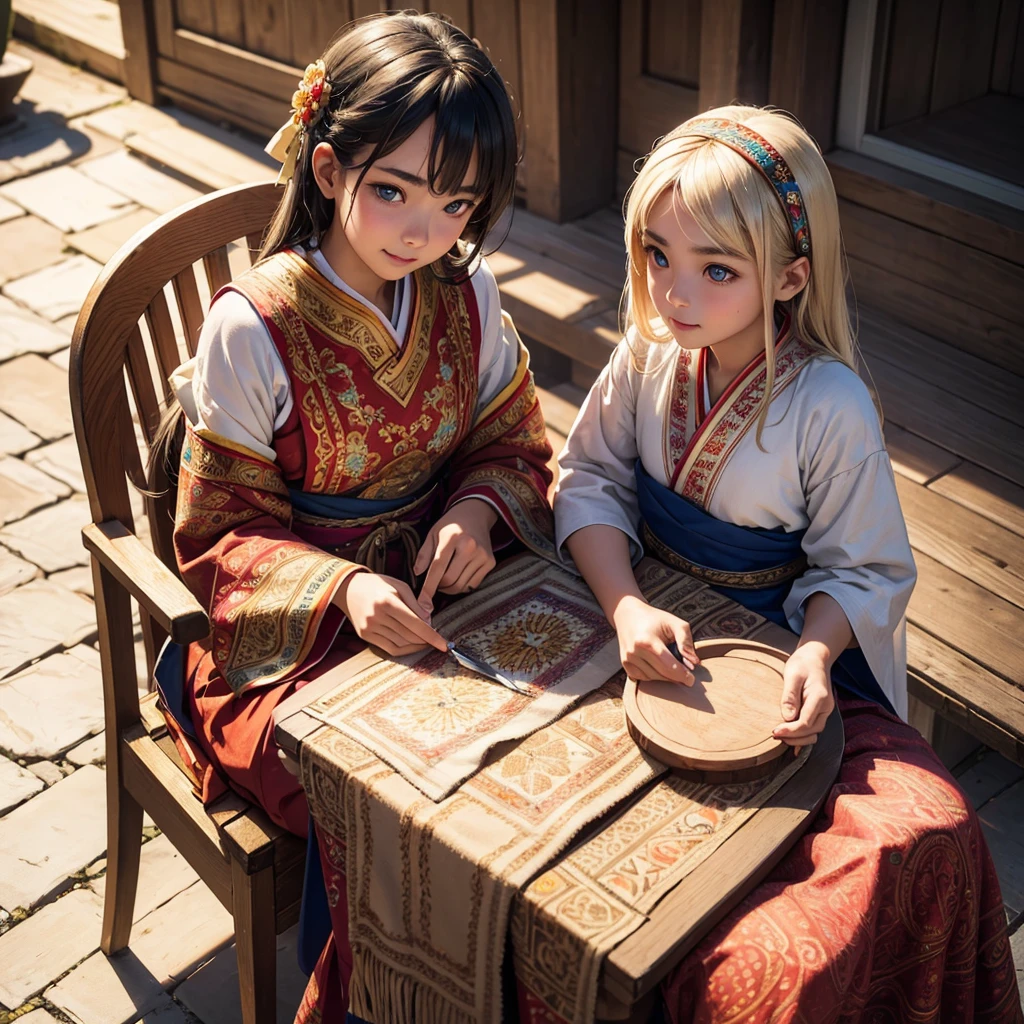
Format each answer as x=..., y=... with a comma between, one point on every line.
x=147, y=579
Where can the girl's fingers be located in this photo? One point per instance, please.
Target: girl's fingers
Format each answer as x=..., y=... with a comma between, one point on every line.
x=684, y=642
x=403, y=620
x=480, y=575
x=475, y=568
x=425, y=554
x=440, y=561
x=668, y=667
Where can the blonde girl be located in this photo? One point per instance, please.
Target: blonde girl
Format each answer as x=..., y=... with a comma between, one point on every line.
x=731, y=437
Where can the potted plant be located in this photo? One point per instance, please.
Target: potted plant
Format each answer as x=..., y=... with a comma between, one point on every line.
x=14, y=69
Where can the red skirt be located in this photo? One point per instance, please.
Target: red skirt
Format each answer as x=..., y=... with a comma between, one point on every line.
x=887, y=909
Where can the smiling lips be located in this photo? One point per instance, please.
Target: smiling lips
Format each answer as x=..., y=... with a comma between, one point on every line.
x=399, y=259
x=682, y=326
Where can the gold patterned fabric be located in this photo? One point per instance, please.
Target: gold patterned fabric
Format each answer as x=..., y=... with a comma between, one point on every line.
x=430, y=885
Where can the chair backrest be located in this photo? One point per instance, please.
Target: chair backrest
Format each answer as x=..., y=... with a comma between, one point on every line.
x=140, y=320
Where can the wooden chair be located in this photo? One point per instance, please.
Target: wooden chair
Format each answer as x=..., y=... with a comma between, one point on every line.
x=126, y=332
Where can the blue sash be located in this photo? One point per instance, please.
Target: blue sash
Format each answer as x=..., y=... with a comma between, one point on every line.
x=753, y=566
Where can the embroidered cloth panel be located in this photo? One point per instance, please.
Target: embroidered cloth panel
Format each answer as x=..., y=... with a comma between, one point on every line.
x=434, y=722
x=431, y=884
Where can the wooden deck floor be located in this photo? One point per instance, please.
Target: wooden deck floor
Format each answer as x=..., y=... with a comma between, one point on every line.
x=955, y=433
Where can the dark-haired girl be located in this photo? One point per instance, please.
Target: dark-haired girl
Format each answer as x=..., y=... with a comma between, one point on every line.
x=360, y=411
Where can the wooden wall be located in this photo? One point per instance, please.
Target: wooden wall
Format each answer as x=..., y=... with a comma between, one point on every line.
x=932, y=56
x=239, y=60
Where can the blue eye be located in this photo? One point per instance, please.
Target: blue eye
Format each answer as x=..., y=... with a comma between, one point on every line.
x=388, y=193
x=457, y=206
x=719, y=274
x=660, y=259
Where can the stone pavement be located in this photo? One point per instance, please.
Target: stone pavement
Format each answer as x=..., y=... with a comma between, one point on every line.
x=88, y=170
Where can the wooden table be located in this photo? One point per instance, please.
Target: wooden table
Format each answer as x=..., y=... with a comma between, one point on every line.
x=632, y=971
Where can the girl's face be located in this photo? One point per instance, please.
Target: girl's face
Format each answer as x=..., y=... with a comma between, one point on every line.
x=393, y=223
x=704, y=295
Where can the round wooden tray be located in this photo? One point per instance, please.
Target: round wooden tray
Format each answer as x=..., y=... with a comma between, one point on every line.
x=721, y=727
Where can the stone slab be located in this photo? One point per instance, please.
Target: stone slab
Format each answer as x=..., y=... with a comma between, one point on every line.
x=14, y=571
x=1000, y=821
x=35, y=393
x=163, y=873
x=92, y=751
x=39, y=1016
x=53, y=705
x=45, y=945
x=52, y=537
x=211, y=158
x=165, y=947
x=28, y=244
x=78, y=578
x=212, y=993
x=51, y=837
x=23, y=331
x=14, y=438
x=47, y=772
x=40, y=617
x=140, y=182
x=56, y=291
x=61, y=461
x=63, y=88
x=133, y=117
x=63, y=357
x=9, y=210
x=16, y=784
x=23, y=489
x=102, y=241
x=46, y=141
x=66, y=198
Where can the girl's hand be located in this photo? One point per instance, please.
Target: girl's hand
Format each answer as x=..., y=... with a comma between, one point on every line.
x=383, y=611
x=456, y=555
x=807, y=699
x=644, y=635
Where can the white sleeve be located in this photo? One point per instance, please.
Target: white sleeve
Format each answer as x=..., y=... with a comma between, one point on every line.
x=596, y=470
x=499, y=344
x=857, y=547
x=240, y=387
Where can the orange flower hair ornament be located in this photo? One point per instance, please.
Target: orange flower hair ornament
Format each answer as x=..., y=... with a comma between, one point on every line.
x=309, y=102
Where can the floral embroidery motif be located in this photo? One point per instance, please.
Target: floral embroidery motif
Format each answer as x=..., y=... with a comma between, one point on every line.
x=535, y=761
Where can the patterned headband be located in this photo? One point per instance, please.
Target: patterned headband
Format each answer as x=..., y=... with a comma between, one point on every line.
x=766, y=158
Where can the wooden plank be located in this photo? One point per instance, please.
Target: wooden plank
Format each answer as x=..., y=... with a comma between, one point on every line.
x=496, y=24
x=951, y=422
x=230, y=21
x=267, y=28
x=252, y=907
x=966, y=693
x=915, y=458
x=910, y=59
x=189, y=307
x=139, y=34
x=985, y=493
x=229, y=63
x=218, y=270
x=884, y=340
x=573, y=246
x=1003, y=53
x=945, y=316
x=566, y=48
x=987, y=554
x=606, y=223
x=197, y=15
x=735, y=40
x=86, y=33
x=974, y=220
x=187, y=87
x=673, y=31
x=970, y=619
x=807, y=47
x=314, y=27
x=559, y=415
x=933, y=260
x=141, y=379
x=964, y=49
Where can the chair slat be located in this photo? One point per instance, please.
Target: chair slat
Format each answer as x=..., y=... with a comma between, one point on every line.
x=130, y=455
x=255, y=243
x=218, y=270
x=165, y=343
x=186, y=291
x=140, y=377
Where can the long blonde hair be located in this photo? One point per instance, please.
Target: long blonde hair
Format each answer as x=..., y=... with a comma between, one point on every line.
x=737, y=208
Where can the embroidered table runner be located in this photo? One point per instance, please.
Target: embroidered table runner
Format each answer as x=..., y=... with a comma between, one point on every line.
x=434, y=722
x=431, y=885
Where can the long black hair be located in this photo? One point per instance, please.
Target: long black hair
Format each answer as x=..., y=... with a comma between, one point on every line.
x=389, y=73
